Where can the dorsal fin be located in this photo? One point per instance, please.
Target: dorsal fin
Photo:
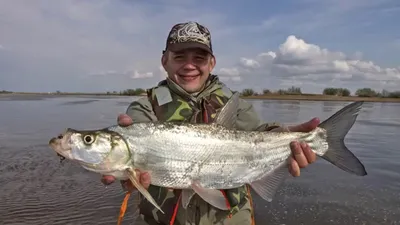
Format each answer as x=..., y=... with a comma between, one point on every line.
x=228, y=115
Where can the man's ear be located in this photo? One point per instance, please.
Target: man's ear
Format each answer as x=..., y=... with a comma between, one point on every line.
x=164, y=59
x=213, y=62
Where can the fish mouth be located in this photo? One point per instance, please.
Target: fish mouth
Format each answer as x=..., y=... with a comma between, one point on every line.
x=60, y=144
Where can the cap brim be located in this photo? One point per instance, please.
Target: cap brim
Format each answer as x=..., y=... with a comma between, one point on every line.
x=189, y=45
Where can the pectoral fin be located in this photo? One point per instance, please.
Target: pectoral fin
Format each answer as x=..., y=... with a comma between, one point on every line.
x=269, y=184
x=187, y=195
x=213, y=196
x=132, y=176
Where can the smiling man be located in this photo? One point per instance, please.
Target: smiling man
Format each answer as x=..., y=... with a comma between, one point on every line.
x=192, y=94
x=188, y=58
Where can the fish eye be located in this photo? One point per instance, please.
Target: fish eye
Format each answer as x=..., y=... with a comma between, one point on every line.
x=88, y=139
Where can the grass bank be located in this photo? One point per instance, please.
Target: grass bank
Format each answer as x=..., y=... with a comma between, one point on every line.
x=299, y=97
x=316, y=97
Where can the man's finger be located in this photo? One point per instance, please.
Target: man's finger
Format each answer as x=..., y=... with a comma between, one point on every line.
x=305, y=127
x=308, y=153
x=145, y=179
x=124, y=120
x=107, y=180
x=127, y=185
x=298, y=155
x=294, y=168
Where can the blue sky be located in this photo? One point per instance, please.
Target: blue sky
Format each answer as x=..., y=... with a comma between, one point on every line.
x=104, y=45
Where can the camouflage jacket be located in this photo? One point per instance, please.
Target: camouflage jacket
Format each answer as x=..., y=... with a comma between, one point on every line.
x=169, y=102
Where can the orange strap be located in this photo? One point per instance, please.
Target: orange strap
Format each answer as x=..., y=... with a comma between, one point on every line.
x=124, y=205
x=172, y=221
x=226, y=202
x=226, y=199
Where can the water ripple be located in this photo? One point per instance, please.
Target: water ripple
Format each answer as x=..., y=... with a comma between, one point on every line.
x=37, y=189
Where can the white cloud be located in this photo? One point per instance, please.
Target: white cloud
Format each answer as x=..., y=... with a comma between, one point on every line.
x=136, y=75
x=64, y=44
x=250, y=63
x=298, y=62
x=59, y=39
x=133, y=74
x=227, y=74
x=229, y=71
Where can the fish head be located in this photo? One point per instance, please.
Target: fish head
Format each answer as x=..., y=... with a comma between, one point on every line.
x=95, y=147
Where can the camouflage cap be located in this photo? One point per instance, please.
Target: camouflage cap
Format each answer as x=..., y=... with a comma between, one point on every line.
x=189, y=35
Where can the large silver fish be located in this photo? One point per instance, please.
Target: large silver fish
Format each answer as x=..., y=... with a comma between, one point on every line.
x=203, y=158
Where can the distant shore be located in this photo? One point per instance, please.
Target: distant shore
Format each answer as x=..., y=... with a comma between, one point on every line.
x=299, y=97
x=319, y=97
x=62, y=94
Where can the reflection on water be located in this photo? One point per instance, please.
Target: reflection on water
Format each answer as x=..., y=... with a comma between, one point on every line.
x=37, y=189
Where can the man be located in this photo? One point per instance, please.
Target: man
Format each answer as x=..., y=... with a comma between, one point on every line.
x=192, y=94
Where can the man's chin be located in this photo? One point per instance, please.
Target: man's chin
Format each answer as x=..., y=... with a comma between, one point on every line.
x=190, y=84
x=192, y=88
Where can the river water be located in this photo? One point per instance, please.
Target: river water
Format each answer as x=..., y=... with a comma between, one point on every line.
x=37, y=189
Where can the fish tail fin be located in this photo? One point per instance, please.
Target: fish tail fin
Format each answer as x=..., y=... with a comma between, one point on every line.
x=337, y=127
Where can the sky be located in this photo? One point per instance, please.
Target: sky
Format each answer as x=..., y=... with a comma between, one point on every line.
x=112, y=45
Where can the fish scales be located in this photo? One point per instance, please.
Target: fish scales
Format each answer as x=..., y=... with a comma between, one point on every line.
x=177, y=154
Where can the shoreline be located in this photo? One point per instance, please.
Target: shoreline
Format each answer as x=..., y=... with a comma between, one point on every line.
x=302, y=97
x=317, y=97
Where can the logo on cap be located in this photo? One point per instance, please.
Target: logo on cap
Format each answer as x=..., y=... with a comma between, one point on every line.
x=190, y=32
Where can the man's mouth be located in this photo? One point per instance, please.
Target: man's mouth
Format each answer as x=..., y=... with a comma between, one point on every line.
x=188, y=77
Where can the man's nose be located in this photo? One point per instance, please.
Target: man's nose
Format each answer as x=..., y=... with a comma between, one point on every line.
x=189, y=65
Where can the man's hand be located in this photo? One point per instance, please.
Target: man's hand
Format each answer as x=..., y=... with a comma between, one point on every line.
x=144, y=178
x=301, y=152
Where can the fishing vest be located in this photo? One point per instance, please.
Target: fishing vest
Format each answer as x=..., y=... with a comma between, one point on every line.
x=171, y=107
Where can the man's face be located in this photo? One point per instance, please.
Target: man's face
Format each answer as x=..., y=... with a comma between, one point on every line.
x=189, y=69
